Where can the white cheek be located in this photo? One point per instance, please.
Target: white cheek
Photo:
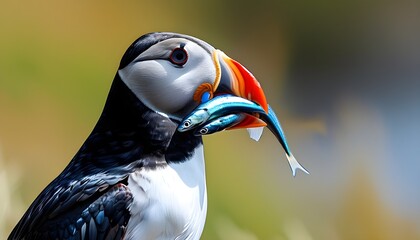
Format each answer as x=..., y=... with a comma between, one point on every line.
x=159, y=85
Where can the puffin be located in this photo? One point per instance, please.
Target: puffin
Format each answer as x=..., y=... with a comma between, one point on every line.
x=136, y=176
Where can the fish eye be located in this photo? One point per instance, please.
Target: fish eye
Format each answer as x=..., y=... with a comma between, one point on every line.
x=204, y=131
x=187, y=123
x=178, y=56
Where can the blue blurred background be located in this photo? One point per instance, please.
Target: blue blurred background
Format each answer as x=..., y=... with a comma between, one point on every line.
x=343, y=77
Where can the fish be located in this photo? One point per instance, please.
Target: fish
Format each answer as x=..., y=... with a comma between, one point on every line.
x=226, y=122
x=220, y=124
x=225, y=111
x=216, y=107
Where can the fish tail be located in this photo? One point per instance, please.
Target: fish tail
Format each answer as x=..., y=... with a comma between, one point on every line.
x=295, y=165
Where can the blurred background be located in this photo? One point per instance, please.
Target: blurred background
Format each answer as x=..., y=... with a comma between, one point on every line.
x=343, y=77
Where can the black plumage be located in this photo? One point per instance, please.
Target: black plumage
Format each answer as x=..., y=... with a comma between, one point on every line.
x=128, y=136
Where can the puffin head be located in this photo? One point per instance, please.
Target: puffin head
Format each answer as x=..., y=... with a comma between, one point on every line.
x=172, y=74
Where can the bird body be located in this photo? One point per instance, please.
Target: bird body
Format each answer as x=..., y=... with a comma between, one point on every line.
x=131, y=148
x=136, y=176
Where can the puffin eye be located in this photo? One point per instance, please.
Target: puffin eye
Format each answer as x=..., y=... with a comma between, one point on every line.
x=178, y=56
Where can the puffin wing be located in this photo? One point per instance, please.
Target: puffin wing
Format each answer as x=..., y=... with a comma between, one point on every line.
x=85, y=209
x=105, y=218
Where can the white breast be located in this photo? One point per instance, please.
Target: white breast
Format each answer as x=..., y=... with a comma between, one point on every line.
x=169, y=202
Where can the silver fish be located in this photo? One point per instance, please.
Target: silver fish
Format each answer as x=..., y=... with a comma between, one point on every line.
x=217, y=107
x=220, y=124
x=225, y=111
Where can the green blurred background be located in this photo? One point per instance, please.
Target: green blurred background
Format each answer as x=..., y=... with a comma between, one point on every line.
x=343, y=77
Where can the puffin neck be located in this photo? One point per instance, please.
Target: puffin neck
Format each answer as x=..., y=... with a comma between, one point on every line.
x=128, y=131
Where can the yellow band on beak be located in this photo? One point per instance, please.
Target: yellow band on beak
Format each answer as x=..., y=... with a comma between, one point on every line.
x=215, y=58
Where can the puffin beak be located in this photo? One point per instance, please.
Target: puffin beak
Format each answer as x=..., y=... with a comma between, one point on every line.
x=235, y=79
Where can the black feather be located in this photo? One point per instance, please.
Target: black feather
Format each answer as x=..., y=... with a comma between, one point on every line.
x=128, y=136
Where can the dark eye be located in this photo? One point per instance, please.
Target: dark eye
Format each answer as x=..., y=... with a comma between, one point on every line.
x=178, y=56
